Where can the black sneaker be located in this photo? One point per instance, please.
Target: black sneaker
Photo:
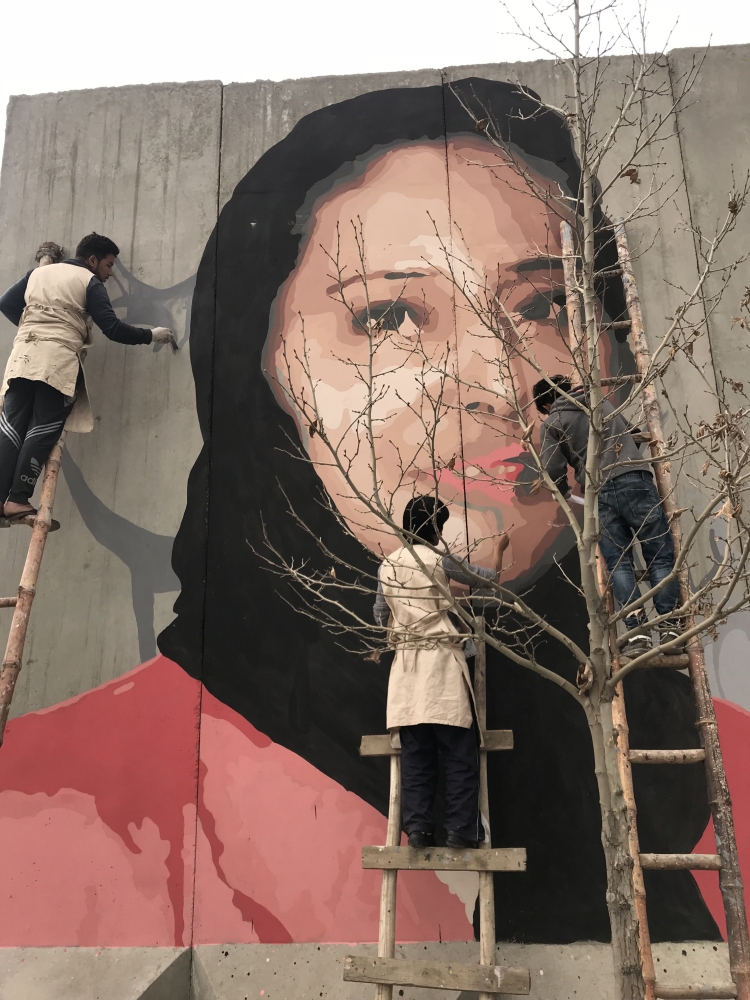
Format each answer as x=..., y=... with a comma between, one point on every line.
x=636, y=645
x=453, y=840
x=421, y=839
x=641, y=641
x=672, y=629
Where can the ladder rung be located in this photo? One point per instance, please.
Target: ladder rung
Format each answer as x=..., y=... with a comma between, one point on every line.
x=496, y=859
x=673, y=862
x=8, y=602
x=437, y=975
x=666, y=756
x=380, y=745
x=619, y=324
x=677, y=661
x=696, y=991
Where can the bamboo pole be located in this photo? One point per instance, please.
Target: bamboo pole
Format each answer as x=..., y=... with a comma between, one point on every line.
x=387, y=927
x=11, y=666
x=730, y=877
x=486, y=879
x=573, y=305
x=620, y=722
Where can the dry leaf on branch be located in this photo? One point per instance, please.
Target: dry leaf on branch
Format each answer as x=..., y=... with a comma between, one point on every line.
x=632, y=173
x=483, y=124
x=451, y=464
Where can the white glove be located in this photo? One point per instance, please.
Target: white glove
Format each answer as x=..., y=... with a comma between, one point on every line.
x=161, y=335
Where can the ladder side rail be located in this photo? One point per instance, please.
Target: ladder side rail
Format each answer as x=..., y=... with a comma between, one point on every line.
x=387, y=923
x=12, y=661
x=486, y=879
x=620, y=722
x=730, y=877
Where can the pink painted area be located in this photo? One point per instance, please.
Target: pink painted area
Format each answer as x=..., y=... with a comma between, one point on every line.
x=284, y=835
x=97, y=810
x=734, y=733
x=97, y=805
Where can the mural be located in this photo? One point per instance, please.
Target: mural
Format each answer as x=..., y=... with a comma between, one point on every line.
x=258, y=708
x=395, y=159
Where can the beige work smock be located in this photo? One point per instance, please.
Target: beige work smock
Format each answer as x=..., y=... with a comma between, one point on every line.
x=429, y=680
x=53, y=335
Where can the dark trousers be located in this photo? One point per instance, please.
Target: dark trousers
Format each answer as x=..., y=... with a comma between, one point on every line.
x=419, y=775
x=630, y=507
x=30, y=423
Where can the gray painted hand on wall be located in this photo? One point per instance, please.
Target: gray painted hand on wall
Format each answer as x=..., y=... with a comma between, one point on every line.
x=148, y=556
x=145, y=305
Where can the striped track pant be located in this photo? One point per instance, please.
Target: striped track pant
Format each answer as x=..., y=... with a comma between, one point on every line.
x=30, y=423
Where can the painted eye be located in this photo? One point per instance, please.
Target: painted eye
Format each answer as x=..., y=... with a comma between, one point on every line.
x=385, y=316
x=540, y=307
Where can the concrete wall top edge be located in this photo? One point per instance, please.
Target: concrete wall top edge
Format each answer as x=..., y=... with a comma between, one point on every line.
x=729, y=50
x=164, y=85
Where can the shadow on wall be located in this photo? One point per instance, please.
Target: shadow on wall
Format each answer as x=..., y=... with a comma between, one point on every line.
x=147, y=555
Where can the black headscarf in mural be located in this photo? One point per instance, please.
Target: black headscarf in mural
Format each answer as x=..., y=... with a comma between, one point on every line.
x=285, y=673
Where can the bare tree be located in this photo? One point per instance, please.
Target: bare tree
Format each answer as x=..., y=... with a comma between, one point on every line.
x=710, y=457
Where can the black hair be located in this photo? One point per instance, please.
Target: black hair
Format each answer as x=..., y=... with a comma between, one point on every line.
x=425, y=516
x=546, y=394
x=286, y=673
x=97, y=246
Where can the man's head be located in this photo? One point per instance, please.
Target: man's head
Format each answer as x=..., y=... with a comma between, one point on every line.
x=546, y=394
x=425, y=517
x=98, y=254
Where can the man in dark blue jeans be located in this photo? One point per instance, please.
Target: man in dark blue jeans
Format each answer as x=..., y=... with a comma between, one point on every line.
x=629, y=503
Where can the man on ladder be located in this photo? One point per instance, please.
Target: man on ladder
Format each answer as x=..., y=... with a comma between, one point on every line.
x=629, y=503
x=54, y=307
x=429, y=689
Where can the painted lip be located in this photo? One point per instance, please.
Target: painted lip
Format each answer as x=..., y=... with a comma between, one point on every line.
x=493, y=475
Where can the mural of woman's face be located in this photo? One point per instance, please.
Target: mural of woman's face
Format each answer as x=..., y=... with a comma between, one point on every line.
x=409, y=200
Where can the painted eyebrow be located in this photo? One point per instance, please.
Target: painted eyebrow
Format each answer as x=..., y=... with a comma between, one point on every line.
x=538, y=264
x=388, y=275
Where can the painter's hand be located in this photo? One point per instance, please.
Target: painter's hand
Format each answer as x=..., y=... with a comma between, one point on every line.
x=161, y=335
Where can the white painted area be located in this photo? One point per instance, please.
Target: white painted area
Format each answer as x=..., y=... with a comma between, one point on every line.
x=150, y=41
x=465, y=885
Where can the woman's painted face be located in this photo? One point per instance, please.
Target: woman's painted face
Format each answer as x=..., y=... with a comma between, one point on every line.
x=504, y=235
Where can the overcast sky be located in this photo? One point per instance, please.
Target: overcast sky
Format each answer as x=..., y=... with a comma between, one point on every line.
x=54, y=46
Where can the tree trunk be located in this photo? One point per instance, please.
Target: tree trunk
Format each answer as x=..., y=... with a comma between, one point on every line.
x=623, y=921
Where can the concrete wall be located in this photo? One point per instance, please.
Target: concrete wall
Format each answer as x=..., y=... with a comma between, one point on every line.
x=143, y=813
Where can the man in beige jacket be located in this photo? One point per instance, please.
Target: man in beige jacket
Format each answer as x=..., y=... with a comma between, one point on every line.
x=429, y=689
x=53, y=307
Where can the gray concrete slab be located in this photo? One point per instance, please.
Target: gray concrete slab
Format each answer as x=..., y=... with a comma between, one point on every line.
x=139, y=164
x=715, y=139
x=94, y=973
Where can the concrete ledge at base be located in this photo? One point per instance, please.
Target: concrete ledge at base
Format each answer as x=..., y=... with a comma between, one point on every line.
x=94, y=973
x=581, y=971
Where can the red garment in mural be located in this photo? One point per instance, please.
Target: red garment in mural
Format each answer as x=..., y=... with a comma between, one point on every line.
x=98, y=813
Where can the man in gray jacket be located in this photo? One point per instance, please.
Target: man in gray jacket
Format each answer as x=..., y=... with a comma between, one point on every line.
x=629, y=503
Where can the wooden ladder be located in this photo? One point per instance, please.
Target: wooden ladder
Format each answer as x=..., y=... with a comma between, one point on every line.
x=41, y=525
x=386, y=971
x=725, y=860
